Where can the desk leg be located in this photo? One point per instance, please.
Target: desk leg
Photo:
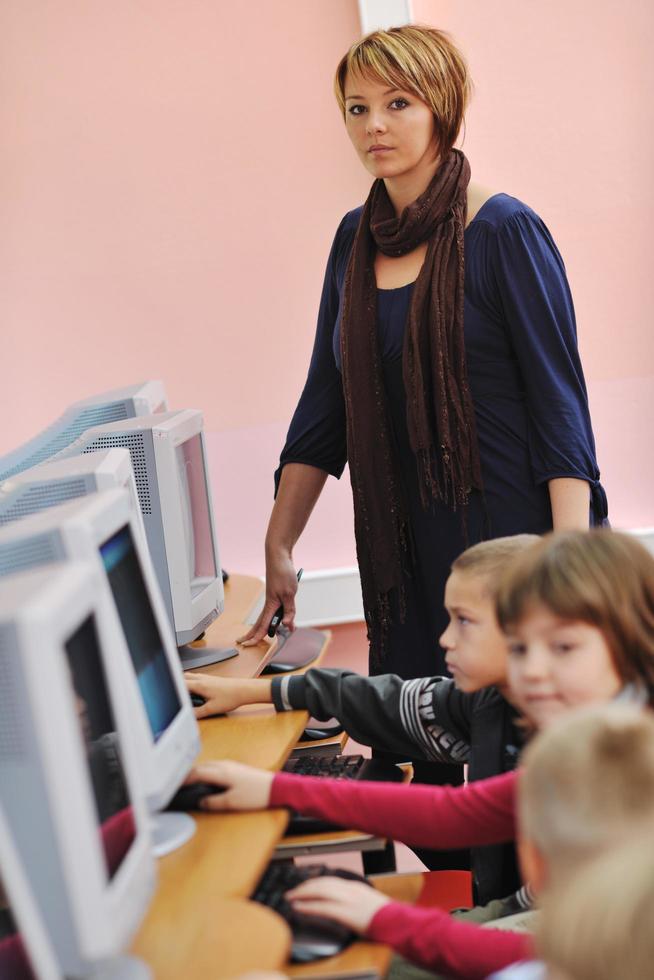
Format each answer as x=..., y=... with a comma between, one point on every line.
x=379, y=862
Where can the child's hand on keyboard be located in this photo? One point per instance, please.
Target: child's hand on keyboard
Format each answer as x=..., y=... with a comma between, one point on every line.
x=352, y=903
x=246, y=788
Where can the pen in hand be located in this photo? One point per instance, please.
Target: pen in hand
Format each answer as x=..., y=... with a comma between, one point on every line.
x=279, y=612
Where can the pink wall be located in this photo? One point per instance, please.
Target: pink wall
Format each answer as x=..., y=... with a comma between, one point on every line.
x=173, y=173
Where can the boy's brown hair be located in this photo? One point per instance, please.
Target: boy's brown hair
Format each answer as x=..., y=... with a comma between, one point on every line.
x=600, y=577
x=489, y=559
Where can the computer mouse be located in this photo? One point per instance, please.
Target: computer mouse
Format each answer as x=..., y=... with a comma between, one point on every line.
x=316, y=730
x=188, y=797
x=197, y=700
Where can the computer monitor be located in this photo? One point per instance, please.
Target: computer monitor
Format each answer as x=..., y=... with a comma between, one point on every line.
x=61, y=480
x=120, y=403
x=26, y=952
x=172, y=484
x=102, y=528
x=68, y=786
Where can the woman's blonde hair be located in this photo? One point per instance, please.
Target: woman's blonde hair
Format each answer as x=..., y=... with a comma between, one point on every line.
x=600, y=577
x=598, y=925
x=417, y=59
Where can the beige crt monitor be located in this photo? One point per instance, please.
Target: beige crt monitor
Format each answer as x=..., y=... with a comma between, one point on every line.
x=174, y=492
x=120, y=403
x=68, y=785
x=61, y=480
x=102, y=529
x=25, y=947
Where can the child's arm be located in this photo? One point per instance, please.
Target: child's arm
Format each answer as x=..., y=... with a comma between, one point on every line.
x=423, y=718
x=442, y=817
x=225, y=694
x=435, y=940
x=426, y=816
x=426, y=936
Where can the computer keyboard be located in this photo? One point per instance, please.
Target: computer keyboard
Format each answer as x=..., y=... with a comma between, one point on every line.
x=334, y=766
x=313, y=937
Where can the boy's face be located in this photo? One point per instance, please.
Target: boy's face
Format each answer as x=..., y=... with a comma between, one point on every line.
x=476, y=651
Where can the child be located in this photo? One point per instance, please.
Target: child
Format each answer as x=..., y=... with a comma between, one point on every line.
x=464, y=719
x=596, y=592
x=590, y=932
x=578, y=612
x=587, y=785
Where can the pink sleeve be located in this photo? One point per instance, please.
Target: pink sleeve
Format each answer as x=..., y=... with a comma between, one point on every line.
x=434, y=940
x=426, y=816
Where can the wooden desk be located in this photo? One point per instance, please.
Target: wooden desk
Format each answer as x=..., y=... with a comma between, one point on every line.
x=241, y=593
x=200, y=924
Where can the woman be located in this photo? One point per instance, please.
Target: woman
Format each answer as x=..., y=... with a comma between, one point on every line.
x=454, y=391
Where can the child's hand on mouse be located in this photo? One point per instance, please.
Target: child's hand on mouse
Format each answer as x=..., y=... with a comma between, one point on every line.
x=352, y=903
x=246, y=788
x=223, y=694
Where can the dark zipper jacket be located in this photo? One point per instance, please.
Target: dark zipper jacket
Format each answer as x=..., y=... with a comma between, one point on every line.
x=426, y=718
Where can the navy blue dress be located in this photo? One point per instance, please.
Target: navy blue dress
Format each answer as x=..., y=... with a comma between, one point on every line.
x=528, y=390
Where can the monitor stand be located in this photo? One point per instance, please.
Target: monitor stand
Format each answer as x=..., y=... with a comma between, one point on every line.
x=296, y=649
x=200, y=654
x=169, y=831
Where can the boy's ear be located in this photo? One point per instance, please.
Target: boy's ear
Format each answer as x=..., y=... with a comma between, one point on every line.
x=533, y=865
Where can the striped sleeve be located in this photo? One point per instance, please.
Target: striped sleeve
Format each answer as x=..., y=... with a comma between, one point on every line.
x=418, y=715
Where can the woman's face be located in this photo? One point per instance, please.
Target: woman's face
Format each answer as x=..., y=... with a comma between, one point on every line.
x=557, y=664
x=391, y=129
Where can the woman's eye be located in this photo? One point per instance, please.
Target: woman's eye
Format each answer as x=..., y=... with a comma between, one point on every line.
x=356, y=110
x=399, y=104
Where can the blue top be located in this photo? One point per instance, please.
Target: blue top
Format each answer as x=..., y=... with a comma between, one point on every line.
x=527, y=385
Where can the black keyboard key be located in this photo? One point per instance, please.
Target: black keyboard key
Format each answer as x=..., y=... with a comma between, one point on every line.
x=313, y=937
x=334, y=767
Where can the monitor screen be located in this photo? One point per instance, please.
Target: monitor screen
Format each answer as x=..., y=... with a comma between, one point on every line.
x=14, y=961
x=157, y=686
x=197, y=518
x=101, y=742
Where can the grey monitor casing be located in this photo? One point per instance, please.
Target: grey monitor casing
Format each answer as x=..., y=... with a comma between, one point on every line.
x=45, y=790
x=110, y=406
x=75, y=531
x=151, y=442
x=24, y=908
x=62, y=480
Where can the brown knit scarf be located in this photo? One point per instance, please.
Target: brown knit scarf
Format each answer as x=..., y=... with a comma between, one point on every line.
x=440, y=414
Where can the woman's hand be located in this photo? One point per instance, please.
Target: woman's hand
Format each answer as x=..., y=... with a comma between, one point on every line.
x=352, y=903
x=242, y=787
x=281, y=587
x=224, y=694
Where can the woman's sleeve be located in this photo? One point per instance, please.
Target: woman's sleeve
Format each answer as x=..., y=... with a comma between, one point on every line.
x=316, y=435
x=538, y=309
x=442, y=817
x=436, y=941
